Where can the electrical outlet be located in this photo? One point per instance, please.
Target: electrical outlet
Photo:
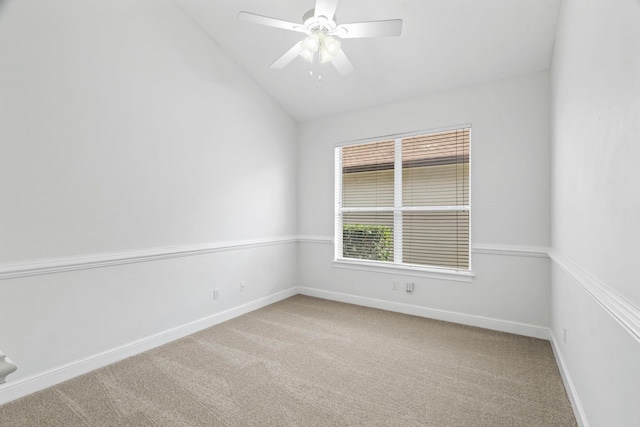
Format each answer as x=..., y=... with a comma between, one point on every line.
x=409, y=287
x=564, y=335
x=216, y=294
x=243, y=287
x=396, y=285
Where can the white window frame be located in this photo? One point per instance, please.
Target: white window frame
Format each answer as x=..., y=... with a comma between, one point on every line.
x=397, y=266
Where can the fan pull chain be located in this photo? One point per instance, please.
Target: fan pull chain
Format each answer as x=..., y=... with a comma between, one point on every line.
x=319, y=75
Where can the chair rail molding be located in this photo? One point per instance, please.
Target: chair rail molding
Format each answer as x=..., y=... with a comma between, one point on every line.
x=83, y=262
x=509, y=250
x=6, y=367
x=315, y=239
x=622, y=311
x=477, y=248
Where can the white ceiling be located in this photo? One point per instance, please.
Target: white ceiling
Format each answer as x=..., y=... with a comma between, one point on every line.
x=445, y=44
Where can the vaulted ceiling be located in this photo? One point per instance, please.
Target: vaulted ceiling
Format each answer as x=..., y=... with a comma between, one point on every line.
x=445, y=44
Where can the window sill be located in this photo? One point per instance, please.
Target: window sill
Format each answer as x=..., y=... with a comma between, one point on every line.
x=405, y=270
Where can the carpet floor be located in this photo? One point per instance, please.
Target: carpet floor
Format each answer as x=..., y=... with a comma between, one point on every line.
x=311, y=362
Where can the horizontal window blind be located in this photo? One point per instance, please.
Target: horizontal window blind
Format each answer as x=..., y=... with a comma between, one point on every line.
x=368, y=175
x=408, y=197
x=435, y=174
x=441, y=185
x=367, y=157
x=436, y=238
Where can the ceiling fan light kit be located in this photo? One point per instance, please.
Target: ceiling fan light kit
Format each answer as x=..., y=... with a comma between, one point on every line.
x=318, y=41
x=319, y=24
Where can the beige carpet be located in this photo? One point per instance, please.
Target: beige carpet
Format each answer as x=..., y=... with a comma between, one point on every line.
x=310, y=362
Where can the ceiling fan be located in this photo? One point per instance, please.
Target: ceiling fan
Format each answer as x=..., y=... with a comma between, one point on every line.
x=321, y=28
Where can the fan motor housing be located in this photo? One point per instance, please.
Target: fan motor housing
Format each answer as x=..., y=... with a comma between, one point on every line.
x=318, y=23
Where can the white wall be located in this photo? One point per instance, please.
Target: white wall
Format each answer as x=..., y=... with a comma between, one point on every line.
x=596, y=183
x=124, y=127
x=510, y=198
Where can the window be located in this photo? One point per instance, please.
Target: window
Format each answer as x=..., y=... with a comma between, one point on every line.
x=405, y=201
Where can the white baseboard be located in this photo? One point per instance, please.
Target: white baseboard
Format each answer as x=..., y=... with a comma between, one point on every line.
x=14, y=390
x=431, y=313
x=578, y=410
x=26, y=386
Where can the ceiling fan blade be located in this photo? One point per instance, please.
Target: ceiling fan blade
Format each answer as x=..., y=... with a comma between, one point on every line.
x=342, y=63
x=270, y=22
x=388, y=28
x=289, y=56
x=326, y=8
